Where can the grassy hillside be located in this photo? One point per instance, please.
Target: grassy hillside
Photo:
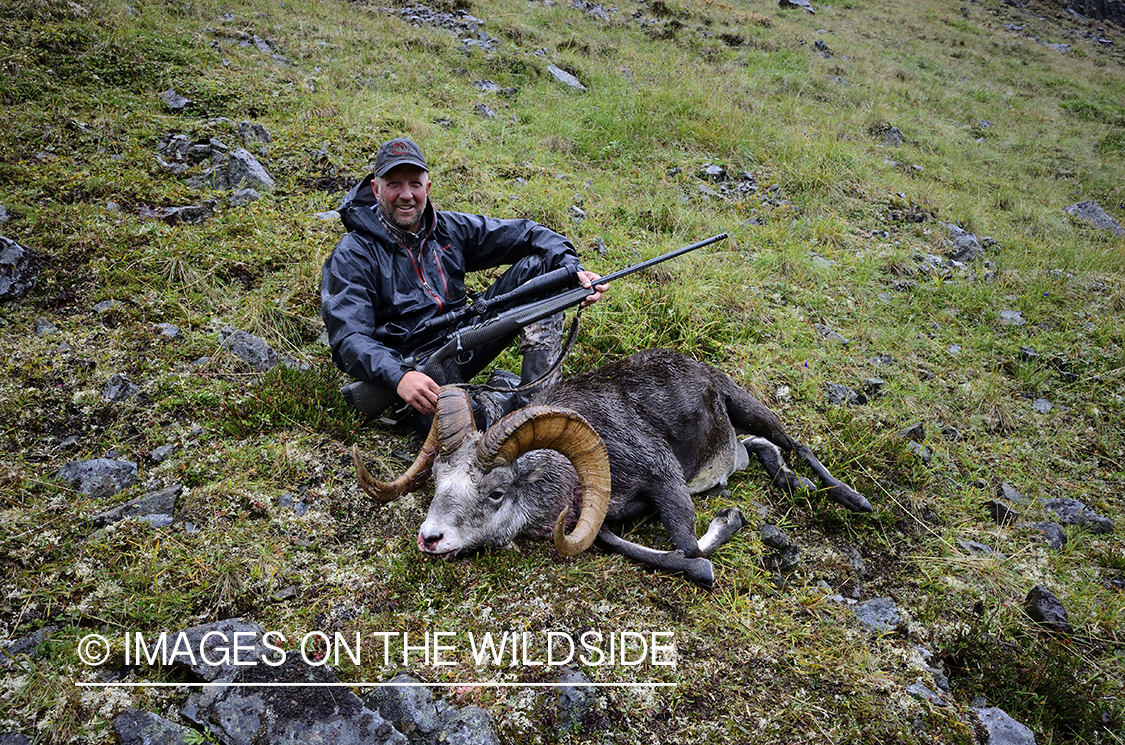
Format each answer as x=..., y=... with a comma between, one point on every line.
x=832, y=229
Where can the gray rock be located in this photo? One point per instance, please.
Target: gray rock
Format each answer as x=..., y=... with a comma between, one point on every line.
x=974, y=548
x=920, y=450
x=169, y=330
x=966, y=248
x=243, y=197
x=27, y=646
x=576, y=699
x=1073, y=512
x=874, y=387
x=597, y=11
x=774, y=537
x=19, y=269
x=240, y=715
x=893, y=137
x=285, y=593
x=1046, y=610
x=1002, y=729
x=484, y=111
x=880, y=614
x=914, y=433
x=249, y=348
x=15, y=738
x=787, y=559
x=106, y=306
x=155, y=508
x=136, y=727
x=1042, y=406
x=44, y=327
x=1053, y=533
x=1002, y=514
x=253, y=132
x=565, y=77
x=829, y=334
x=470, y=725
x=244, y=171
x=1027, y=354
x=1012, y=318
x=836, y=393
x=174, y=100
x=188, y=214
x=99, y=477
x=1092, y=212
x=164, y=452
x=796, y=4
x=713, y=172
x=1010, y=493
x=920, y=691
x=411, y=709
x=3, y=215
x=119, y=388
x=212, y=639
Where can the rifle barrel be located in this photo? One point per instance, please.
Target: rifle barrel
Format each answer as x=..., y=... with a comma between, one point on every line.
x=658, y=259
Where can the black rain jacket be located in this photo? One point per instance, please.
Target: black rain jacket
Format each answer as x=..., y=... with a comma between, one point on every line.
x=375, y=293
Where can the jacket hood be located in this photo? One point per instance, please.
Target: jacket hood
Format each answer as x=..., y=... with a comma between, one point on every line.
x=360, y=197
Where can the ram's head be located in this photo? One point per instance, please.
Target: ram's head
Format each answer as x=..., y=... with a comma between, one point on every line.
x=493, y=486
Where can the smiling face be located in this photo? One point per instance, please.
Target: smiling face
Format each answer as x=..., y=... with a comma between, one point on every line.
x=402, y=193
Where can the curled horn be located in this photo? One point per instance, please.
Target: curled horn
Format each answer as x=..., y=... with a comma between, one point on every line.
x=562, y=430
x=453, y=420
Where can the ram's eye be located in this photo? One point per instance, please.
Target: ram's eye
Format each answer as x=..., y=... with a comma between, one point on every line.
x=496, y=495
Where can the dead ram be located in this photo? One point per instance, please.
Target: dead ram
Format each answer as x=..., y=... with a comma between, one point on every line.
x=634, y=437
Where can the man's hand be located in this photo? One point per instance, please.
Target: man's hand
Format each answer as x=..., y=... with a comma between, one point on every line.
x=419, y=390
x=587, y=279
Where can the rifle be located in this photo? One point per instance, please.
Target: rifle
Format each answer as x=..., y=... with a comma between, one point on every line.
x=514, y=319
x=510, y=321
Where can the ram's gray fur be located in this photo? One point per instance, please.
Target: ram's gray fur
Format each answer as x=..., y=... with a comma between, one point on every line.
x=670, y=426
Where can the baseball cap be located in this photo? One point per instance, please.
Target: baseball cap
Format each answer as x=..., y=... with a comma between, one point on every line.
x=397, y=152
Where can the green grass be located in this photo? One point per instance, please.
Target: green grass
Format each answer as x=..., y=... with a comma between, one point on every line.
x=1001, y=134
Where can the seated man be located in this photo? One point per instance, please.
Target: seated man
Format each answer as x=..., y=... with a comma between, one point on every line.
x=402, y=263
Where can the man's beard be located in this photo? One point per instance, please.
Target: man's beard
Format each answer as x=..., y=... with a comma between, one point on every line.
x=391, y=214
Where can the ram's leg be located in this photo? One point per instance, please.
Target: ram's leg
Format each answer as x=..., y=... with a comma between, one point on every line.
x=837, y=490
x=771, y=458
x=725, y=524
x=698, y=570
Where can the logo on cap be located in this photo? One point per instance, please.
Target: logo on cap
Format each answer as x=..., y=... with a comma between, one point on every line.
x=400, y=148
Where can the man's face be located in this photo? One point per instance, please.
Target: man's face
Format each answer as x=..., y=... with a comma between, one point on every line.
x=402, y=193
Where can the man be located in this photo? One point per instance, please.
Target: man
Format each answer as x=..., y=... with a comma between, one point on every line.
x=402, y=263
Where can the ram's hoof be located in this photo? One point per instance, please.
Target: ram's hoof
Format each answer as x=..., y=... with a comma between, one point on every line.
x=850, y=498
x=730, y=518
x=701, y=572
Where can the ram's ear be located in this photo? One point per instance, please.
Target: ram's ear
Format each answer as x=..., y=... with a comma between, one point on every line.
x=532, y=467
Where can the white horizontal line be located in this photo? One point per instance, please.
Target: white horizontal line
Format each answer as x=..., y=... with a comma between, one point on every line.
x=483, y=684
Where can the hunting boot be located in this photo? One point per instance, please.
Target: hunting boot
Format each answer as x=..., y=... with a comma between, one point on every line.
x=490, y=406
x=368, y=399
x=540, y=345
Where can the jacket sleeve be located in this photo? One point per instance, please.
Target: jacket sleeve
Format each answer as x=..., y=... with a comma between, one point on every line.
x=349, y=307
x=491, y=242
